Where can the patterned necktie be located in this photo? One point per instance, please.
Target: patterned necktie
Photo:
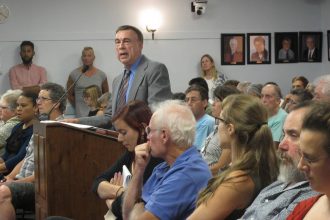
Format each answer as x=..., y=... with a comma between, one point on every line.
x=121, y=97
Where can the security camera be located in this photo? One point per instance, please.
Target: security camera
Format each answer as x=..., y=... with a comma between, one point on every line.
x=198, y=7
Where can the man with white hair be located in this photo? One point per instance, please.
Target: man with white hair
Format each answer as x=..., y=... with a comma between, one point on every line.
x=277, y=200
x=8, y=103
x=172, y=189
x=322, y=88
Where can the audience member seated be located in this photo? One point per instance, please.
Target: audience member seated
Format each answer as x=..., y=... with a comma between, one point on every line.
x=17, y=189
x=26, y=74
x=91, y=95
x=197, y=100
x=297, y=96
x=211, y=75
x=171, y=190
x=299, y=82
x=200, y=81
x=92, y=76
x=179, y=96
x=231, y=82
x=8, y=104
x=254, y=90
x=130, y=122
x=322, y=88
x=315, y=163
x=243, y=128
x=242, y=86
x=271, y=98
x=216, y=157
x=15, y=148
x=277, y=200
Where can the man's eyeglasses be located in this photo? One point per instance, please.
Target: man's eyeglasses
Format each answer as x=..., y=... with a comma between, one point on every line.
x=42, y=99
x=309, y=160
x=125, y=41
x=149, y=130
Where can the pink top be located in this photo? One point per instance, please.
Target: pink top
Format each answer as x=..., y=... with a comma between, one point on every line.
x=21, y=76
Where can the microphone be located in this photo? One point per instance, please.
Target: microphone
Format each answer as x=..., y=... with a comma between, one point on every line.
x=45, y=116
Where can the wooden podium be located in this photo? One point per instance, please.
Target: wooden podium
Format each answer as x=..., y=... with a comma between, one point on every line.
x=67, y=160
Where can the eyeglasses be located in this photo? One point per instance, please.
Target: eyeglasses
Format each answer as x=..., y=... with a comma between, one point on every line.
x=222, y=120
x=42, y=99
x=149, y=130
x=309, y=160
x=125, y=41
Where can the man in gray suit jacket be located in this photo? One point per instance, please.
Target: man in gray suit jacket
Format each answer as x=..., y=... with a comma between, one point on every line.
x=148, y=80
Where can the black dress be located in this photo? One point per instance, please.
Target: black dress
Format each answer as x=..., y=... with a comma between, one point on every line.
x=126, y=159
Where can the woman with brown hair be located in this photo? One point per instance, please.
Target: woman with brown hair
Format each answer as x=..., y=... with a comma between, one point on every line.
x=130, y=122
x=243, y=128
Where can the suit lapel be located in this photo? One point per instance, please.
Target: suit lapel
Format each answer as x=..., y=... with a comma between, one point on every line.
x=139, y=75
x=115, y=86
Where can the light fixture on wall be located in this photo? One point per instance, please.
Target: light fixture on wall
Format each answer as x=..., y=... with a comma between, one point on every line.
x=152, y=32
x=151, y=20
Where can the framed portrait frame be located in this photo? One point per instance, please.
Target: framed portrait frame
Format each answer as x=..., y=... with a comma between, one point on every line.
x=286, y=47
x=310, y=46
x=328, y=36
x=258, y=48
x=232, y=49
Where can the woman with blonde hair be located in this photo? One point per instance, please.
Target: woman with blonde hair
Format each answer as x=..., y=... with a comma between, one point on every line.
x=91, y=95
x=243, y=128
x=211, y=74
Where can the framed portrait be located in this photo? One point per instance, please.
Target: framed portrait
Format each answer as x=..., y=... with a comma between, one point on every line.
x=232, y=49
x=258, y=48
x=310, y=46
x=328, y=35
x=286, y=47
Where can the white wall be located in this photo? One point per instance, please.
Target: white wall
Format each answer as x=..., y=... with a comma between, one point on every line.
x=61, y=28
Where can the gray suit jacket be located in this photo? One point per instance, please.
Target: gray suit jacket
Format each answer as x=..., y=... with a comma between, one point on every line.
x=151, y=84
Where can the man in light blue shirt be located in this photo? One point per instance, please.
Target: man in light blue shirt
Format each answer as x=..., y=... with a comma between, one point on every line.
x=197, y=100
x=271, y=98
x=172, y=189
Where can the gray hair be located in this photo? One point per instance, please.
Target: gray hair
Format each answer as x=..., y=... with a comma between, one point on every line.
x=177, y=117
x=56, y=92
x=324, y=82
x=11, y=96
x=254, y=89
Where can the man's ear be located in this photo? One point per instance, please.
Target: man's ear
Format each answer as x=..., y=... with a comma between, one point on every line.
x=164, y=136
x=205, y=103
